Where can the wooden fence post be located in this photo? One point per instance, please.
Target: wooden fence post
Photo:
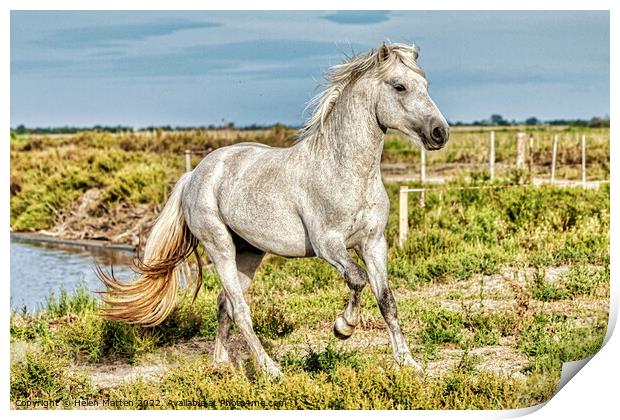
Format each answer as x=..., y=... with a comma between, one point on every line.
x=554, y=155
x=422, y=165
x=403, y=215
x=188, y=161
x=530, y=155
x=422, y=174
x=492, y=155
x=583, y=161
x=520, y=150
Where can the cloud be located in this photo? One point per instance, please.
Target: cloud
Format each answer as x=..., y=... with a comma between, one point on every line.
x=519, y=74
x=19, y=67
x=274, y=49
x=273, y=58
x=359, y=17
x=111, y=35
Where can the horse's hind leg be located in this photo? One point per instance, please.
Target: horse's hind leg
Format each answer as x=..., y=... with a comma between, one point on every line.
x=221, y=249
x=247, y=263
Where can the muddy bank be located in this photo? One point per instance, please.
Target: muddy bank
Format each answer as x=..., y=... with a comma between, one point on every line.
x=38, y=238
x=89, y=221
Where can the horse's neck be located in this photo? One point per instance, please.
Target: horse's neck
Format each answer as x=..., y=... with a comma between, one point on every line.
x=352, y=141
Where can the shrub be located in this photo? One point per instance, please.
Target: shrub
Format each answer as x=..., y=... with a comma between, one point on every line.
x=45, y=377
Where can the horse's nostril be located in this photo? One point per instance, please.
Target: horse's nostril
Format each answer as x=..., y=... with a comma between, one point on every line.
x=437, y=133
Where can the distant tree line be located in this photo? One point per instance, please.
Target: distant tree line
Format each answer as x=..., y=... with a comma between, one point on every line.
x=494, y=120
x=498, y=120
x=22, y=129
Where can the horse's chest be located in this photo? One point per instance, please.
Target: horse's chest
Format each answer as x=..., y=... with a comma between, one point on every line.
x=368, y=218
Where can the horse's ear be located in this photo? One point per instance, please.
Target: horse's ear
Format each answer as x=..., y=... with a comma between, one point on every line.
x=416, y=51
x=383, y=53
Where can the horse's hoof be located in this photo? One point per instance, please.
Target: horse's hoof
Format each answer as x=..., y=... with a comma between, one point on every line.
x=342, y=329
x=408, y=360
x=220, y=356
x=272, y=371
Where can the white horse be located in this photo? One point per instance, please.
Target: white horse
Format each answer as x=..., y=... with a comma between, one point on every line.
x=320, y=197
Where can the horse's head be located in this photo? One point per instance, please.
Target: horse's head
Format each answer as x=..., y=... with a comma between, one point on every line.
x=403, y=102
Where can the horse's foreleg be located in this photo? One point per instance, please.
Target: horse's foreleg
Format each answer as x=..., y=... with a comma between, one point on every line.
x=347, y=321
x=337, y=255
x=374, y=254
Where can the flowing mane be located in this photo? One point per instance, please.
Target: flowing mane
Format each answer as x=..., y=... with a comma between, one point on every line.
x=338, y=77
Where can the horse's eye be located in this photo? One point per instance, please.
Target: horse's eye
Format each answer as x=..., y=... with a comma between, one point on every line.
x=399, y=87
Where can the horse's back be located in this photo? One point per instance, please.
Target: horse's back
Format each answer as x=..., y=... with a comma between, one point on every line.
x=251, y=144
x=219, y=170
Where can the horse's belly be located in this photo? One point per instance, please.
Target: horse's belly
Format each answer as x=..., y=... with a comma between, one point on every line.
x=270, y=225
x=275, y=237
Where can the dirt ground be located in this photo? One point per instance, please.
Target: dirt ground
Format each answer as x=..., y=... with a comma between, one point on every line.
x=494, y=293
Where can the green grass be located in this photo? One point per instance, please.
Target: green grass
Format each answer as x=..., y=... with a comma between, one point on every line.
x=326, y=361
x=580, y=280
x=464, y=328
x=44, y=378
x=462, y=257
x=294, y=302
x=549, y=341
x=485, y=229
x=332, y=379
x=49, y=173
x=345, y=388
x=68, y=333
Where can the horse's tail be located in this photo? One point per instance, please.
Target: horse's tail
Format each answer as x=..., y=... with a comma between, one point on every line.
x=150, y=299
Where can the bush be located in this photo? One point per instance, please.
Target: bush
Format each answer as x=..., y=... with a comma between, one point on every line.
x=327, y=360
x=441, y=326
x=42, y=376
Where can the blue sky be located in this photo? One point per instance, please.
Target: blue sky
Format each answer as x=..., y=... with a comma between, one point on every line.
x=200, y=68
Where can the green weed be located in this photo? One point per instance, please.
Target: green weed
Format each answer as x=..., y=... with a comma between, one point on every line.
x=45, y=378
